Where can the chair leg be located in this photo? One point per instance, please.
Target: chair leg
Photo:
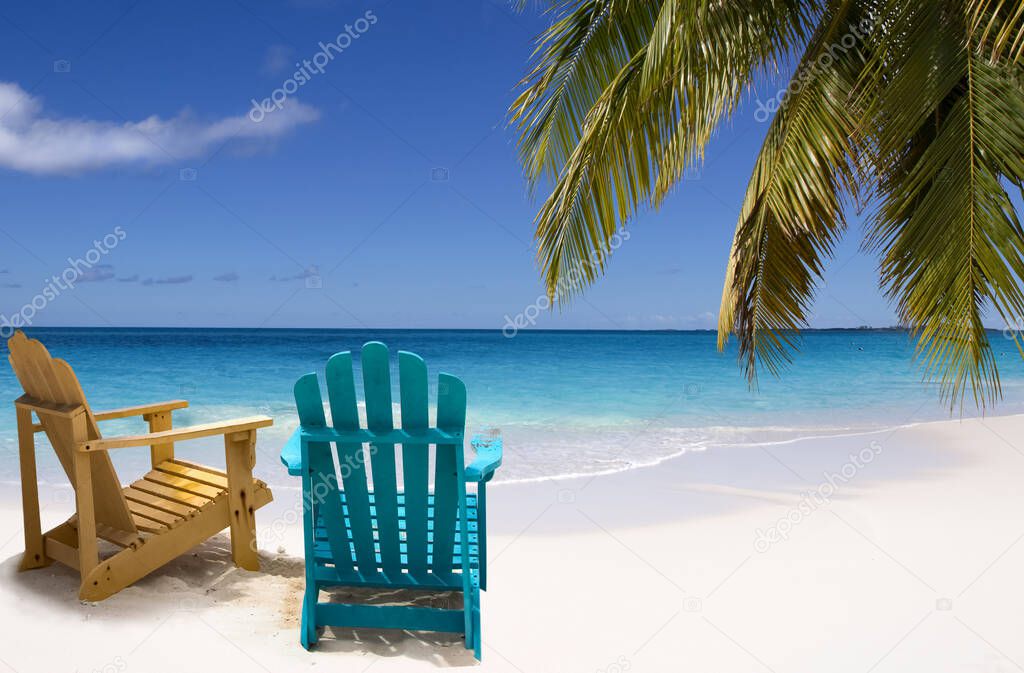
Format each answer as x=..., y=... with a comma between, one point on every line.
x=88, y=549
x=471, y=607
x=35, y=546
x=477, y=635
x=239, y=450
x=312, y=592
x=481, y=527
x=308, y=635
x=474, y=639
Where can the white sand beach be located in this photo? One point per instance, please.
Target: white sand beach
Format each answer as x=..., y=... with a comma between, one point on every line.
x=908, y=558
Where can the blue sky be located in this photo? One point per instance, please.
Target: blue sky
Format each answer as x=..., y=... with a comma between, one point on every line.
x=385, y=192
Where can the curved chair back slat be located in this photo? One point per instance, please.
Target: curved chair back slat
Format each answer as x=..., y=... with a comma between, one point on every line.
x=412, y=373
x=49, y=381
x=448, y=463
x=379, y=418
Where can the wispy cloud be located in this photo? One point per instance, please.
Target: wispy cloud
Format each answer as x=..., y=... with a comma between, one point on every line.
x=308, y=272
x=96, y=274
x=169, y=280
x=11, y=286
x=34, y=143
x=129, y=279
x=228, y=277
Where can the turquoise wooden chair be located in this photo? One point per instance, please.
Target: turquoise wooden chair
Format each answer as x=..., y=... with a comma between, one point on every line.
x=385, y=533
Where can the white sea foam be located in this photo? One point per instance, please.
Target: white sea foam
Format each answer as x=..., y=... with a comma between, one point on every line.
x=533, y=452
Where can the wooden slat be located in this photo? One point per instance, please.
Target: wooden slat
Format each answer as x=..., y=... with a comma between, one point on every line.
x=118, y=537
x=156, y=515
x=133, y=495
x=105, y=532
x=38, y=359
x=23, y=370
x=183, y=484
x=451, y=416
x=173, y=494
x=415, y=457
x=218, y=481
x=379, y=418
x=148, y=525
x=341, y=394
x=201, y=468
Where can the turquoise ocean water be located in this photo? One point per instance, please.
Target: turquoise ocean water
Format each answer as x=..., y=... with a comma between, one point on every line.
x=566, y=402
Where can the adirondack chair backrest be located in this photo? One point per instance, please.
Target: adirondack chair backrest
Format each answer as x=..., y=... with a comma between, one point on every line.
x=382, y=511
x=51, y=380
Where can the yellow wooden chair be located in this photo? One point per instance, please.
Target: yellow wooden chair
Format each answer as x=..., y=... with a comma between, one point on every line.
x=174, y=507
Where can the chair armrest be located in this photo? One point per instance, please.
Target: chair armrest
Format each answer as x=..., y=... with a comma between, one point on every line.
x=488, y=450
x=291, y=454
x=178, y=434
x=140, y=410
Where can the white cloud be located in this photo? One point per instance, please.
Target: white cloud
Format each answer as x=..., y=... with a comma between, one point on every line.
x=96, y=274
x=33, y=143
x=168, y=280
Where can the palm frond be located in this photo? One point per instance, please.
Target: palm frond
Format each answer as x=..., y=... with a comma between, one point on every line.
x=577, y=58
x=649, y=121
x=950, y=131
x=792, y=214
x=997, y=28
x=690, y=34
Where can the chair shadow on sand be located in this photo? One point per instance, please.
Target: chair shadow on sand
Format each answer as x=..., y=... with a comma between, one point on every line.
x=206, y=577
